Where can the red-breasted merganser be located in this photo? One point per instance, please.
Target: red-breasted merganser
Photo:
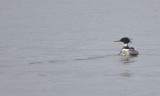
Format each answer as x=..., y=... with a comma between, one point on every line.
x=126, y=50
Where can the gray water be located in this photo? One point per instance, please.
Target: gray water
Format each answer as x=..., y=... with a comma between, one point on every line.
x=66, y=48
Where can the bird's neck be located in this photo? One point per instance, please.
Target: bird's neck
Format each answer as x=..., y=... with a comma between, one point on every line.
x=125, y=46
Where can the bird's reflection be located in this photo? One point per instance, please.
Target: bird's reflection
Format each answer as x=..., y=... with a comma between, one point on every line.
x=126, y=73
x=127, y=60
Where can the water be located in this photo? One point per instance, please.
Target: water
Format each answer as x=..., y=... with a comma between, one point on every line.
x=66, y=48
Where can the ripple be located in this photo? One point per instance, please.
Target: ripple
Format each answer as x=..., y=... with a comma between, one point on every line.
x=77, y=59
x=36, y=63
x=97, y=57
x=55, y=61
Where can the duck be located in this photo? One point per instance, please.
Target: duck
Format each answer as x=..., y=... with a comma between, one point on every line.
x=126, y=50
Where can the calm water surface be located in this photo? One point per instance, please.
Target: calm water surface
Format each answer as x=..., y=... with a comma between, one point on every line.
x=66, y=48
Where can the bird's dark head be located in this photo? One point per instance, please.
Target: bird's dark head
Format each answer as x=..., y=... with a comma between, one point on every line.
x=125, y=40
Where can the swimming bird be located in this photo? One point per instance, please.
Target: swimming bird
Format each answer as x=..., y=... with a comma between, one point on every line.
x=126, y=50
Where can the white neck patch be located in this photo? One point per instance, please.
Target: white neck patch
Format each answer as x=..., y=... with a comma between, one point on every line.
x=125, y=45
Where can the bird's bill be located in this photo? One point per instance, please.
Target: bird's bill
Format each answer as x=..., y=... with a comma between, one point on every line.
x=117, y=41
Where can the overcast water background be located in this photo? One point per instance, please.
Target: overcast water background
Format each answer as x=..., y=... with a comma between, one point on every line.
x=66, y=48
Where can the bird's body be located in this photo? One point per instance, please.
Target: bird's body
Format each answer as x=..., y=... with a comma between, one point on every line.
x=126, y=50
